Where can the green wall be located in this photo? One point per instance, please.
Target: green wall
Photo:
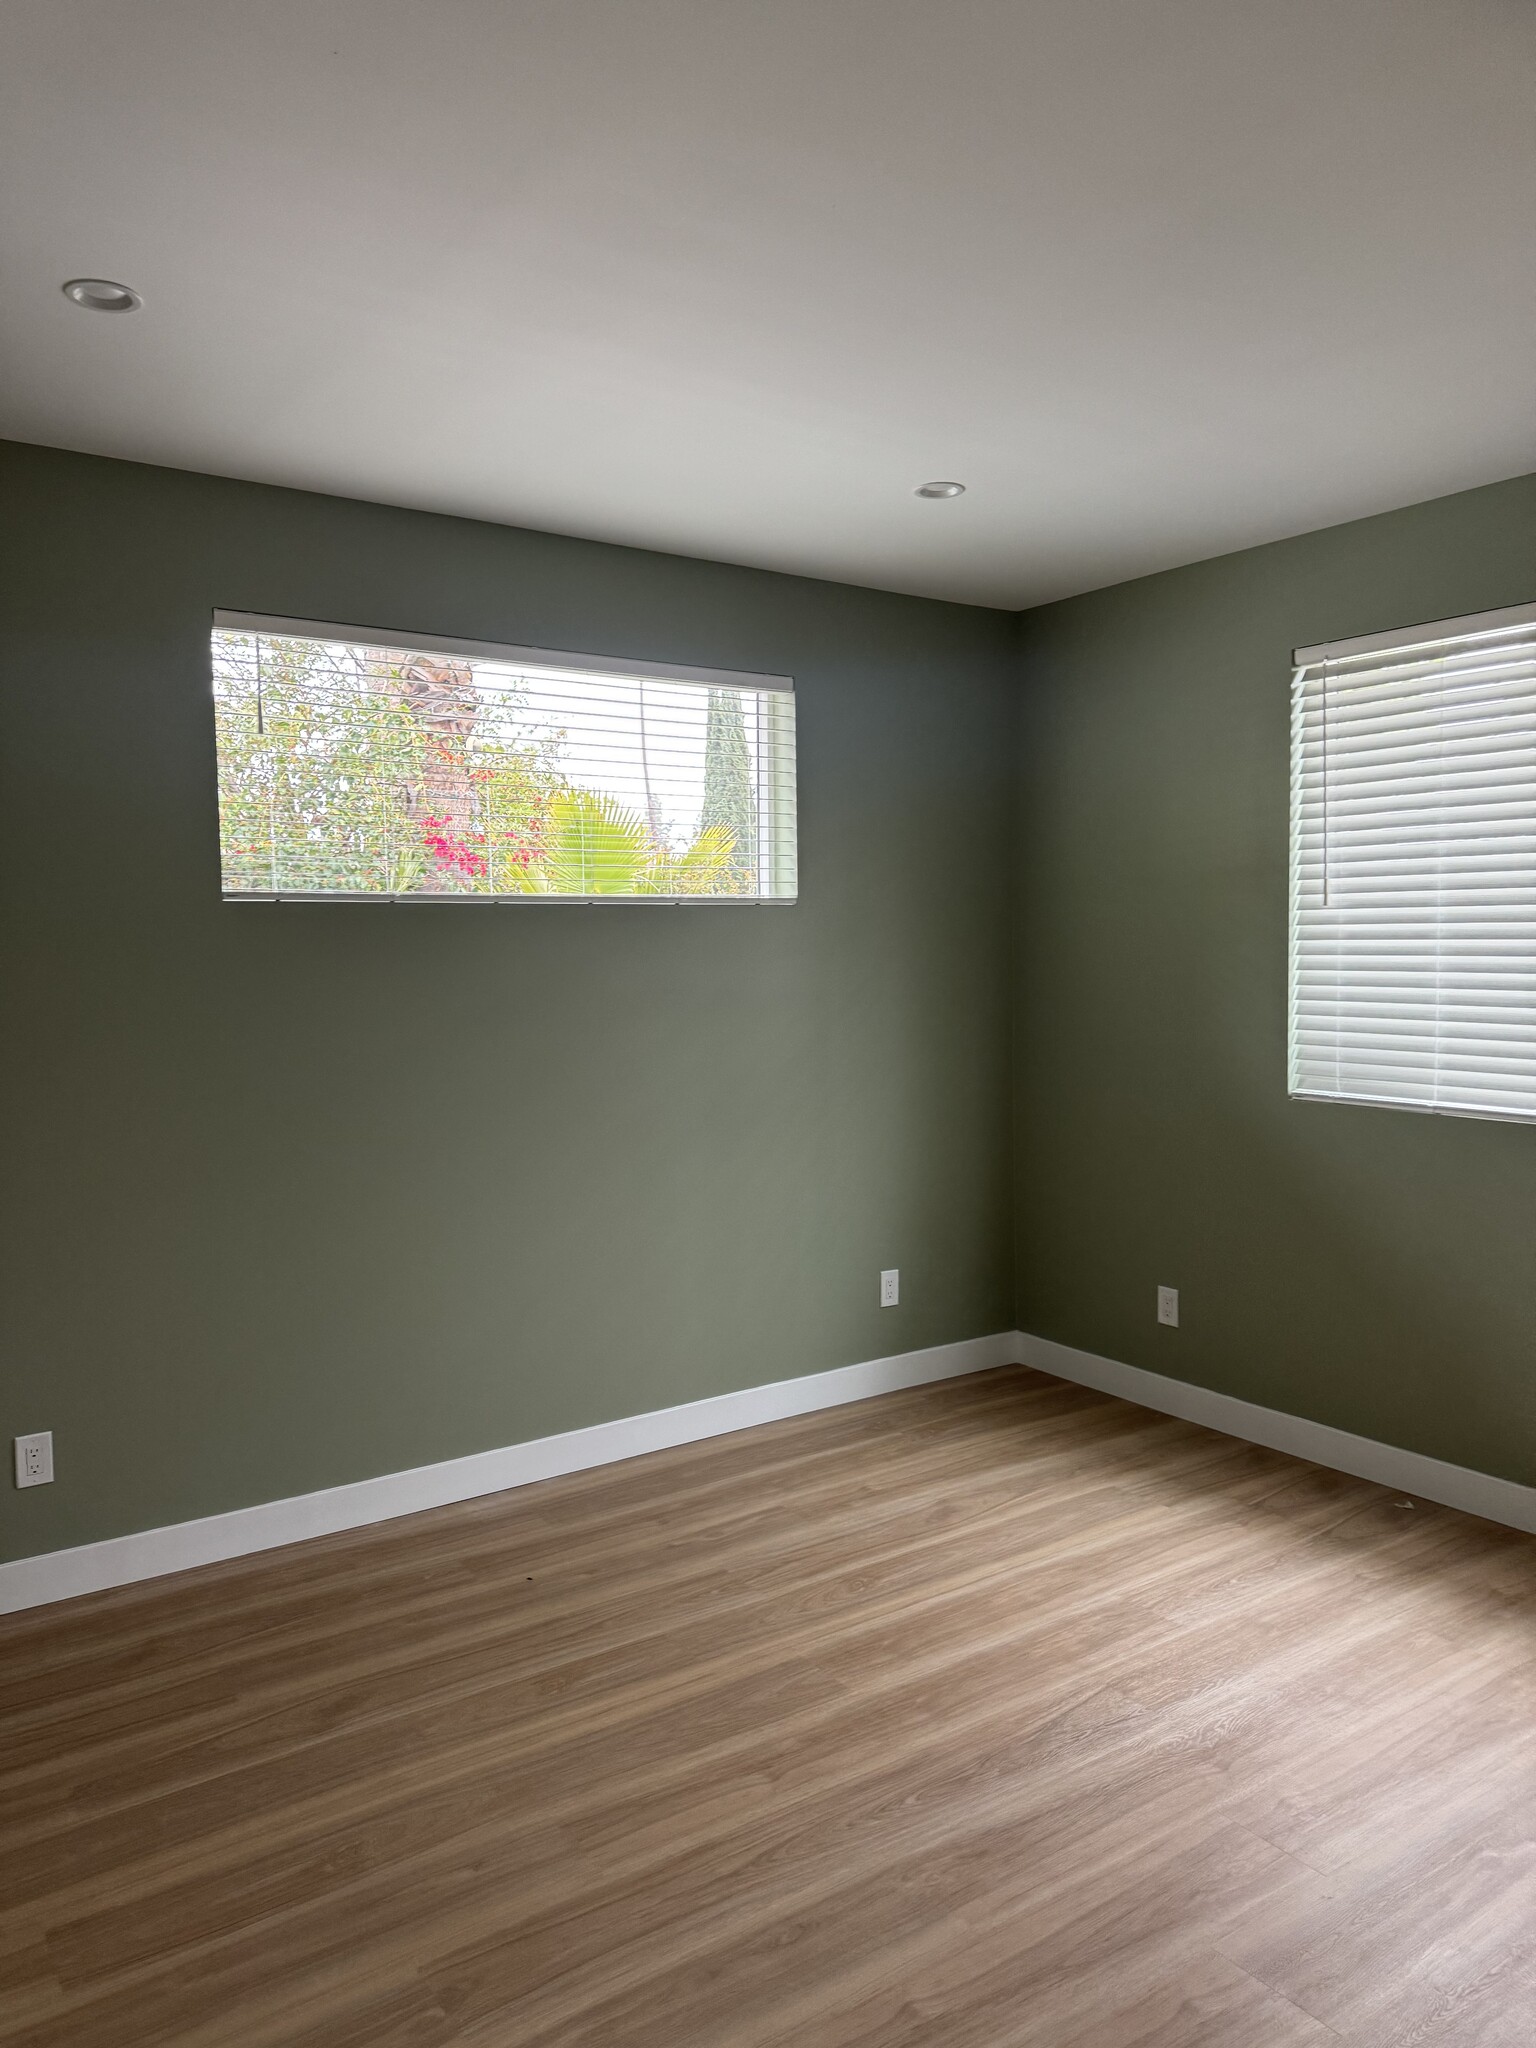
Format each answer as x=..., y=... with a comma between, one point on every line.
x=298, y=1194
x=1371, y=1268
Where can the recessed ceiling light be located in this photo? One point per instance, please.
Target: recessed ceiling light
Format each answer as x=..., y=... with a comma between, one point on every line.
x=101, y=295
x=940, y=490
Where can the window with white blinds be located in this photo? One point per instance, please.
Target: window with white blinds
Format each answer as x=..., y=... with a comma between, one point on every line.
x=384, y=766
x=1413, y=868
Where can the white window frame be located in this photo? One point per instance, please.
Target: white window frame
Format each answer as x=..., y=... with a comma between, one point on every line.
x=776, y=743
x=1433, y=962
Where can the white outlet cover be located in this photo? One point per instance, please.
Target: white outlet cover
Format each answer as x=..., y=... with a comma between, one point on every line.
x=890, y=1287
x=1168, y=1306
x=34, y=1459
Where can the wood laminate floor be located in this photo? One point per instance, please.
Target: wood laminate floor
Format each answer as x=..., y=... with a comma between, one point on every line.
x=993, y=1712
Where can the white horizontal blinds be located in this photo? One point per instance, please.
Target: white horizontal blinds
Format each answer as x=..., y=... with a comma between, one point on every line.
x=350, y=768
x=1413, y=878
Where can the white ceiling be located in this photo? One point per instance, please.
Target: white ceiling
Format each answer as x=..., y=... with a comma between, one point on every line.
x=1154, y=278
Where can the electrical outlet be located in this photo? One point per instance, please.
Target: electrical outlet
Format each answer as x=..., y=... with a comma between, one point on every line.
x=890, y=1287
x=34, y=1459
x=1168, y=1306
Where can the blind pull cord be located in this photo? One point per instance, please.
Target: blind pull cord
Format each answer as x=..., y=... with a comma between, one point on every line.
x=1327, y=832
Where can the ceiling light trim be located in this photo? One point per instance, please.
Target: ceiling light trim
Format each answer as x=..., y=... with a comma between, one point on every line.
x=102, y=295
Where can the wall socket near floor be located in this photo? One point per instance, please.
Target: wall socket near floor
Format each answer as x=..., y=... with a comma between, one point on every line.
x=890, y=1287
x=34, y=1459
x=1168, y=1306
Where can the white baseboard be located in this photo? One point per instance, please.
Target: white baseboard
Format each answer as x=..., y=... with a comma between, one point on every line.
x=1454, y=1486
x=150, y=1553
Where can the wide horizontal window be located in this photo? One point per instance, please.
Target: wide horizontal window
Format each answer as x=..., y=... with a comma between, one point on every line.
x=1413, y=868
x=380, y=766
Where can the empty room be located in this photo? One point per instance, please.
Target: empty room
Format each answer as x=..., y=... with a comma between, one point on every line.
x=768, y=887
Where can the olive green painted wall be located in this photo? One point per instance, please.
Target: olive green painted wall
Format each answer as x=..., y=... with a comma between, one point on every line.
x=1370, y=1268
x=300, y=1194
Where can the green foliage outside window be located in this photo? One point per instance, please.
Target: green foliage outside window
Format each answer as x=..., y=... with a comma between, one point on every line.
x=353, y=770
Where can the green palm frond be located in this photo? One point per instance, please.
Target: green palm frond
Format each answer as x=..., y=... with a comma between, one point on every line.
x=706, y=868
x=594, y=847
